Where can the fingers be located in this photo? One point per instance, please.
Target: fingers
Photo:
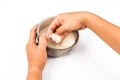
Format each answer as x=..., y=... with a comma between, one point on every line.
x=32, y=38
x=54, y=25
x=42, y=42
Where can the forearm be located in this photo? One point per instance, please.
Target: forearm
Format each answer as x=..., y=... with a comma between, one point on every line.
x=34, y=74
x=105, y=30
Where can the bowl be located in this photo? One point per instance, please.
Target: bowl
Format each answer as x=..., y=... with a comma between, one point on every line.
x=55, y=52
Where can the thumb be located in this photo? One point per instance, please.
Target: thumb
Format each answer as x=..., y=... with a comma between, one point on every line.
x=42, y=42
x=62, y=30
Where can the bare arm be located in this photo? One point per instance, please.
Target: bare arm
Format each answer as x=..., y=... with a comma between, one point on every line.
x=79, y=20
x=107, y=31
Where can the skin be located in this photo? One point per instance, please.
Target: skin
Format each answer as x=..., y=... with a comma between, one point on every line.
x=67, y=22
x=63, y=24
x=36, y=55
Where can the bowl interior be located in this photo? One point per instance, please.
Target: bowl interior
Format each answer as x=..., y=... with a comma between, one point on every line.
x=47, y=22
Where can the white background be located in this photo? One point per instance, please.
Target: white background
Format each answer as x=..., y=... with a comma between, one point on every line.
x=91, y=59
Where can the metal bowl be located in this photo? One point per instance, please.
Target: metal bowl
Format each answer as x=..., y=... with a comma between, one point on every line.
x=53, y=52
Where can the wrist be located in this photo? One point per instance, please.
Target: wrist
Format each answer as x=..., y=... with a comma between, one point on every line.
x=34, y=73
x=88, y=18
x=34, y=69
x=82, y=17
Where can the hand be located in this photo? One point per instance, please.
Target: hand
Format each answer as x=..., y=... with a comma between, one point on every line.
x=36, y=54
x=67, y=22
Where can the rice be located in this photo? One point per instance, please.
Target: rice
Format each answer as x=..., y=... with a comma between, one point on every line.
x=56, y=43
x=55, y=38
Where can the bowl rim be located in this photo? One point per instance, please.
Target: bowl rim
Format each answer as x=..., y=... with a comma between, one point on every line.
x=38, y=34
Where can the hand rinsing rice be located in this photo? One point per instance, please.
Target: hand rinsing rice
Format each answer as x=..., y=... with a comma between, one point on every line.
x=56, y=42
